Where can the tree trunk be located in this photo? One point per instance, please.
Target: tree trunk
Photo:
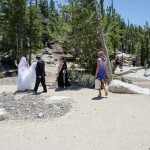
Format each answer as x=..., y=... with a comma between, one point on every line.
x=101, y=37
x=21, y=33
x=30, y=53
x=37, y=3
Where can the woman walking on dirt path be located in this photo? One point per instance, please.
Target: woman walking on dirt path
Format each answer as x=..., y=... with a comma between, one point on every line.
x=101, y=71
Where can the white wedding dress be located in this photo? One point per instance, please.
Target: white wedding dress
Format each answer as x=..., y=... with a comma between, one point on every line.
x=26, y=75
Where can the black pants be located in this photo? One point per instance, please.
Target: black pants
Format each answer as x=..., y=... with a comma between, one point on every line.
x=42, y=81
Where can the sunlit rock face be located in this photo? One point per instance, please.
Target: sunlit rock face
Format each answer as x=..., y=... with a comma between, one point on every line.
x=117, y=86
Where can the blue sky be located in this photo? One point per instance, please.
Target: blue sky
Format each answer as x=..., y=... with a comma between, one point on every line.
x=137, y=11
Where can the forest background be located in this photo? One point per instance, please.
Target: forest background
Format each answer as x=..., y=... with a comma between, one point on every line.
x=27, y=26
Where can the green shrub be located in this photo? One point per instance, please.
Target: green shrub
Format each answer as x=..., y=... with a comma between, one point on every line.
x=72, y=66
x=1, y=75
x=126, y=80
x=74, y=75
x=88, y=80
x=113, y=68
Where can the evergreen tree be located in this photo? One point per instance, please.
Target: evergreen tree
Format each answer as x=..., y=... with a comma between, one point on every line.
x=43, y=5
x=15, y=26
x=34, y=29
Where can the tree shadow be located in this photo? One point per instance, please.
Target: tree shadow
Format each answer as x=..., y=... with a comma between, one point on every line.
x=70, y=88
x=73, y=87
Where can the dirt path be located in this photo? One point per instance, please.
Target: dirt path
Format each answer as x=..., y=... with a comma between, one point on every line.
x=119, y=122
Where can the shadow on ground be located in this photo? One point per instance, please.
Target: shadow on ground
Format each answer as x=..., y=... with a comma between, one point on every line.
x=30, y=92
x=98, y=98
x=74, y=87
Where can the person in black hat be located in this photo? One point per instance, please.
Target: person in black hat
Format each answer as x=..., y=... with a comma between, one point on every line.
x=40, y=74
x=62, y=75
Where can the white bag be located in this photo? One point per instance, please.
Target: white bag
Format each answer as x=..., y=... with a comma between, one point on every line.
x=97, y=84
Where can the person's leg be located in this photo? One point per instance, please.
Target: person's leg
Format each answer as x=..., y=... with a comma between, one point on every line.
x=66, y=81
x=36, y=84
x=43, y=84
x=104, y=87
x=99, y=92
x=60, y=81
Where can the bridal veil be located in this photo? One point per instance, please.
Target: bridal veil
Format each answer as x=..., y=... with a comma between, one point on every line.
x=26, y=75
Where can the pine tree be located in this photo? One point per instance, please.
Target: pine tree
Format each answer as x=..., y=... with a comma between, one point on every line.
x=34, y=28
x=43, y=5
x=16, y=24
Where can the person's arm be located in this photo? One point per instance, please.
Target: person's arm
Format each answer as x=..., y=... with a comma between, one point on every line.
x=38, y=70
x=97, y=68
x=27, y=65
x=44, y=70
x=16, y=63
x=59, y=68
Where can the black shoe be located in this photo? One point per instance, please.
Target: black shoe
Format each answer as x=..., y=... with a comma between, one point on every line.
x=35, y=93
x=44, y=91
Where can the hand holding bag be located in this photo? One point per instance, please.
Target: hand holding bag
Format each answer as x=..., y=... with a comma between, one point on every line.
x=97, y=84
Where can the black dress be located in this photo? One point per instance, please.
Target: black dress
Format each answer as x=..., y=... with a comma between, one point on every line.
x=63, y=77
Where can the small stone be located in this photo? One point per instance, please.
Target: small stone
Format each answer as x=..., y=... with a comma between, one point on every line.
x=30, y=107
x=19, y=96
x=40, y=115
x=34, y=103
x=4, y=93
x=3, y=114
x=12, y=108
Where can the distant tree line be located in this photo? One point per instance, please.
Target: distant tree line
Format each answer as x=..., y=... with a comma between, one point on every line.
x=28, y=25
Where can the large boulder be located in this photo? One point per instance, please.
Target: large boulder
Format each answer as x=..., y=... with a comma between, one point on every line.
x=57, y=48
x=69, y=57
x=117, y=86
x=147, y=74
x=3, y=114
x=54, y=48
x=48, y=51
x=48, y=59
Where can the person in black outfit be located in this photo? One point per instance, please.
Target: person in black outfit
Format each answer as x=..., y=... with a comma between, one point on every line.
x=117, y=61
x=40, y=74
x=62, y=76
x=134, y=61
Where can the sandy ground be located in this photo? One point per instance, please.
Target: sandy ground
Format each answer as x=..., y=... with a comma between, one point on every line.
x=119, y=122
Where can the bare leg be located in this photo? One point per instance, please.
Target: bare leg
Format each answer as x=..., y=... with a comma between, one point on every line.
x=104, y=87
x=99, y=94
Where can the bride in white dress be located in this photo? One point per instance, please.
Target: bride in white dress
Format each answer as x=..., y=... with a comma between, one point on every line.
x=26, y=75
